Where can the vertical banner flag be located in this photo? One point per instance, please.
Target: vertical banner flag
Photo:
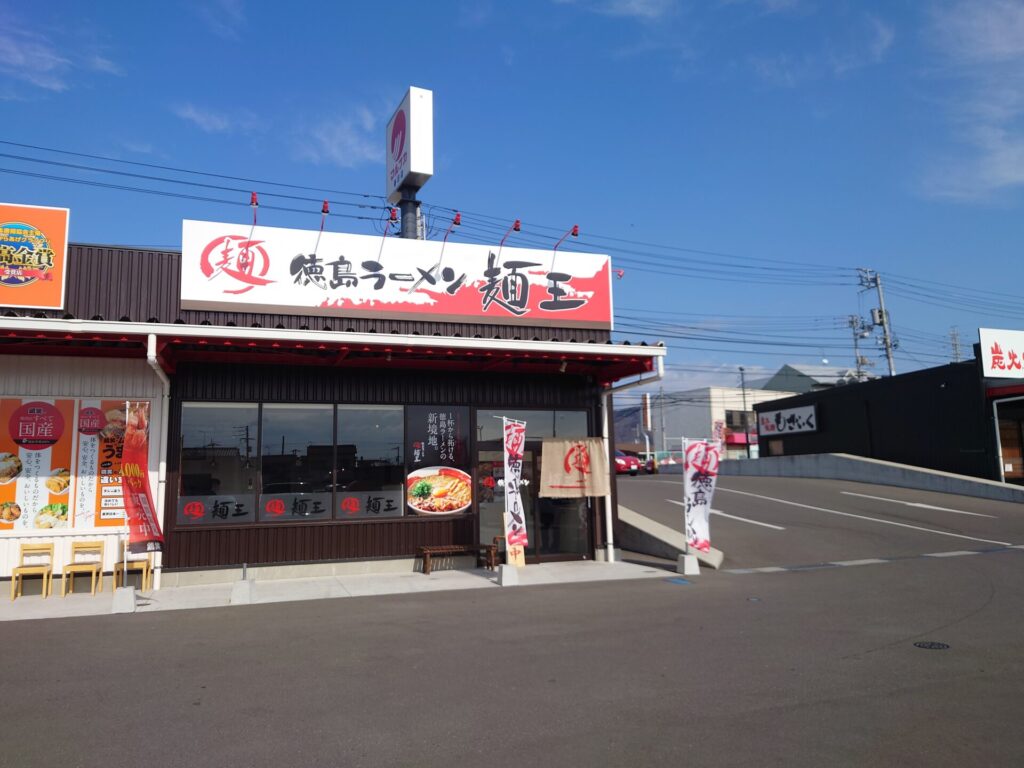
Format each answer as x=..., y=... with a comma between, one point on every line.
x=515, y=516
x=143, y=527
x=700, y=468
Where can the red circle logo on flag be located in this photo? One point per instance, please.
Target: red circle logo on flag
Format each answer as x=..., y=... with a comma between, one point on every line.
x=703, y=457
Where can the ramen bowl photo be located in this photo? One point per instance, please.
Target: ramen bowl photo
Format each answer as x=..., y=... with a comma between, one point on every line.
x=438, y=491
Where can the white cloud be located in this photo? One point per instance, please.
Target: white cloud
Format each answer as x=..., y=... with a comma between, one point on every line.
x=32, y=58
x=873, y=39
x=767, y=7
x=879, y=40
x=222, y=17
x=981, y=44
x=206, y=119
x=102, y=64
x=346, y=142
x=47, y=62
x=647, y=10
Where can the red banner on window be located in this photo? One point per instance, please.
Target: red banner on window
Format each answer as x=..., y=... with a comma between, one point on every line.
x=143, y=526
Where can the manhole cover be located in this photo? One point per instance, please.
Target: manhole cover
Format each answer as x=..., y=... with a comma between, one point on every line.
x=931, y=645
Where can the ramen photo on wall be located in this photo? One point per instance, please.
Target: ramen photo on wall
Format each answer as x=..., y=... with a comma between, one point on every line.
x=438, y=491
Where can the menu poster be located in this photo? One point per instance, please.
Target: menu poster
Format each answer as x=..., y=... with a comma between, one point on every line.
x=99, y=500
x=36, y=473
x=438, y=480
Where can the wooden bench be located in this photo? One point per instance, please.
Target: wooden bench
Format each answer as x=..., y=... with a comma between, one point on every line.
x=486, y=554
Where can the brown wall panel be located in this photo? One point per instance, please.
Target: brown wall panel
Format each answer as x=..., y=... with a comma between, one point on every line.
x=206, y=547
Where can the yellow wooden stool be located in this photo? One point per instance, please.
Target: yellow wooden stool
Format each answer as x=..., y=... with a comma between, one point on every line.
x=23, y=569
x=94, y=567
x=144, y=565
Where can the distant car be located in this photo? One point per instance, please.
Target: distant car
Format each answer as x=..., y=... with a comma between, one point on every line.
x=625, y=463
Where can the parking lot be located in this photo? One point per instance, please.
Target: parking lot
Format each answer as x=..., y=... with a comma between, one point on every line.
x=791, y=522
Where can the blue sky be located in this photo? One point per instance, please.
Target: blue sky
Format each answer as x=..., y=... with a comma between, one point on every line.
x=789, y=133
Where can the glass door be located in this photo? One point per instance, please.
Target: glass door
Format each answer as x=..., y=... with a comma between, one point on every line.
x=557, y=528
x=560, y=526
x=490, y=490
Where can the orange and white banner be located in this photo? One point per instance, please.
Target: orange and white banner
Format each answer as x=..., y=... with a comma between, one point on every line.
x=36, y=477
x=61, y=463
x=516, y=539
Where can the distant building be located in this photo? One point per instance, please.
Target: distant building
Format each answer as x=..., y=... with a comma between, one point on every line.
x=809, y=378
x=696, y=413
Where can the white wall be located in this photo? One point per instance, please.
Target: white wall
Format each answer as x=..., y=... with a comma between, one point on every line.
x=24, y=376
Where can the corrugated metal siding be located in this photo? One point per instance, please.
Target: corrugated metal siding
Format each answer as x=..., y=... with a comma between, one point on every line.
x=115, y=283
x=197, y=548
x=251, y=383
x=210, y=547
x=38, y=376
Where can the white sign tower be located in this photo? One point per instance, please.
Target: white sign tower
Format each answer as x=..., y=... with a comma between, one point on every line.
x=410, y=155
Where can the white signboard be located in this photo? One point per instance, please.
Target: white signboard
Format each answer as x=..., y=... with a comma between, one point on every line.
x=700, y=469
x=1002, y=353
x=410, y=143
x=239, y=268
x=788, y=421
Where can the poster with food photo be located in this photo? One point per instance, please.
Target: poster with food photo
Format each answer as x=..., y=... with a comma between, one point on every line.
x=438, y=480
x=36, y=474
x=99, y=500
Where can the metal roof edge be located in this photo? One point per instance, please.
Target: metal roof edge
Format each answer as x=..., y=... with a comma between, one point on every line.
x=182, y=330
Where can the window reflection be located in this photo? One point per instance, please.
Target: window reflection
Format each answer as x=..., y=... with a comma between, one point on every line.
x=218, y=463
x=297, y=452
x=370, y=464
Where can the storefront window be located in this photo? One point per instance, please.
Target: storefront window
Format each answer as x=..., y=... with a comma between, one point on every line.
x=370, y=463
x=555, y=526
x=297, y=452
x=540, y=425
x=219, y=464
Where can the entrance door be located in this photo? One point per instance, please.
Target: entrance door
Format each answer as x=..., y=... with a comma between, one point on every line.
x=557, y=529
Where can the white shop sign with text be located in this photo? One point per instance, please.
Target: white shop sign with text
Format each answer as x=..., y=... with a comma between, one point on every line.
x=234, y=267
x=787, y=421
x=1002, y=353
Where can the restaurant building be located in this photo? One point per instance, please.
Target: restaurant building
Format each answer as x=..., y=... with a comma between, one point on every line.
x=965, y=418
x=313, y=397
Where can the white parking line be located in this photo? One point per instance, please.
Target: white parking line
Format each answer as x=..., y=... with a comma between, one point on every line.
x=733, y=517
x=952, y=554
x=918, y=504
x=865, y=517
x=865, y=561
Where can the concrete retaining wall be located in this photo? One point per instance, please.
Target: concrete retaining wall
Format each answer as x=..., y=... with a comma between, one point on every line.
x=842, y=466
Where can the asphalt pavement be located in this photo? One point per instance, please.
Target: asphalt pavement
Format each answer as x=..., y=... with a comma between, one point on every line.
x=789, y=666
x=784, y=522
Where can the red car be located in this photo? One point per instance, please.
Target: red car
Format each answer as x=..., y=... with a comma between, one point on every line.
x=625, y=463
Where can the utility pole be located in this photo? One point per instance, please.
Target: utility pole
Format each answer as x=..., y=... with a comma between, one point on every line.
x=954, y=338
x=869, y=279
x=861, y=330
x=746, y=428
x=661, y=407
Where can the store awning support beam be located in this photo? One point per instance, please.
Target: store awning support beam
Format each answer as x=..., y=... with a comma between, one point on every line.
x=152, y=358
x=606, y=394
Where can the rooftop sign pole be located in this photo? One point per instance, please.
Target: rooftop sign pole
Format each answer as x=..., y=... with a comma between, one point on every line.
x=410, y=155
